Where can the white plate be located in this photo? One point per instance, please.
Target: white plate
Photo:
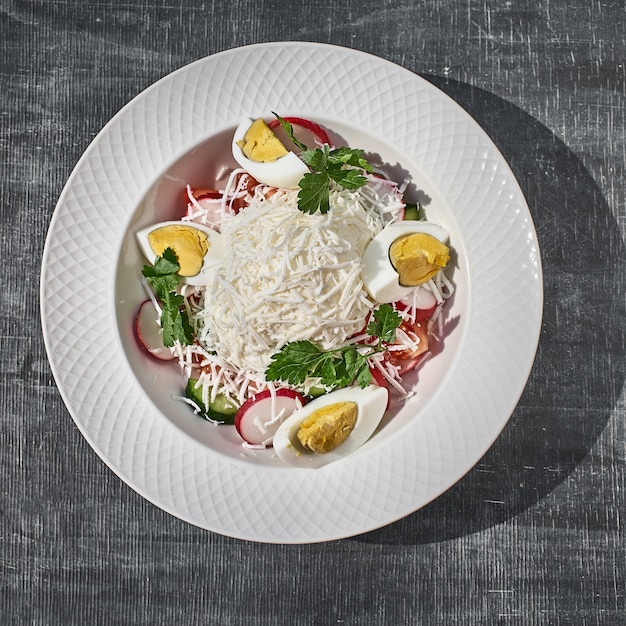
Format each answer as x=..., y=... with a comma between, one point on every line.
x=122, y=404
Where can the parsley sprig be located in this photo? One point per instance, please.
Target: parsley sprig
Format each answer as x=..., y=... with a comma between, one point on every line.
x=296, y=361
x=163, y=278
x=342, y=165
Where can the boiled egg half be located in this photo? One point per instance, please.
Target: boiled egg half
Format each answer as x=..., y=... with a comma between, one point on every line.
x=199, y=249
x=258, y=151
x=402, y=257
x=331, y=426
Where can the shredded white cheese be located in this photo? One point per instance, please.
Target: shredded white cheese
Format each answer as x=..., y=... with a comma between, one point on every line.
x=288, y=276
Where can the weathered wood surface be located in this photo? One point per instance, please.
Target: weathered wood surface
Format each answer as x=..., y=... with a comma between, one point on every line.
x=534, y=533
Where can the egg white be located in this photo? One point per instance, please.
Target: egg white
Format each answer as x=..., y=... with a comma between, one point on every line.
x=284, y=173
x=212, y=259
x=371, y=402
x=380, y=278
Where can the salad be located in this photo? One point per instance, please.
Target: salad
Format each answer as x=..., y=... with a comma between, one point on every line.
x=297, y=296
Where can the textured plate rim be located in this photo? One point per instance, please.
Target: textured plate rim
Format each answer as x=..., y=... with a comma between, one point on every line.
x=71, y=369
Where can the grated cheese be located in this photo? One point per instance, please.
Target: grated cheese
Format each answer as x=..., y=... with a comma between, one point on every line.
x=289, y=276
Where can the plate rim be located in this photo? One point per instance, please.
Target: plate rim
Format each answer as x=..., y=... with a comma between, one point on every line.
x=61, y=378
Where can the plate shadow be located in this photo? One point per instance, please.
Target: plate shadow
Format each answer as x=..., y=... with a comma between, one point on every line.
x=580, y=366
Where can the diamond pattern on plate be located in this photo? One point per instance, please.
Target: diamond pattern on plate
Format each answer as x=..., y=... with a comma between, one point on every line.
x=385, y=480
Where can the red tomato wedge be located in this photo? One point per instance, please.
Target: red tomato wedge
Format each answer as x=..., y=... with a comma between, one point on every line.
x=406, y=360
x=259, y=417
x=312, y=127
x=419, y=315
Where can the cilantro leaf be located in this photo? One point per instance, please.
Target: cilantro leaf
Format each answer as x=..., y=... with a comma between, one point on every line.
x=357, y=367
x=386, y=321
x=349, y=156
x=341, y=367
x=313, y=194
x=316, y=159
x=342, y=165
x=364, y=376
x=348, y=179
x=295, y=362
x=288, y=128
x=163, y=278
x=175, y=322
x=163, y=275
x=161, y=284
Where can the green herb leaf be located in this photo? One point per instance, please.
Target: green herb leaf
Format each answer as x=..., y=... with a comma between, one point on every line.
x=163, y=278
x=384, y=324
x=175, y=322
x=161, y=284
x=349, y=156
x=295, y=362
x=313, y=193
x=288, y=128
x=348, y=179
x=337, y=165
x=342, y=367
x=163, y=275
x=317, y=158
x=364, y=376
x=357, y=367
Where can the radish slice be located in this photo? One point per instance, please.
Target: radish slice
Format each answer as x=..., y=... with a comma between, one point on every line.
x=208, y=201
x=202, y=194
x=148, y=332
x=312, y=127
x=260, y=416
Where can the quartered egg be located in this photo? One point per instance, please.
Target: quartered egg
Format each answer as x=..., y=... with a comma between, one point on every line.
x=402, y=256
x=199, y=249
x=331, y=426
x=257, y=149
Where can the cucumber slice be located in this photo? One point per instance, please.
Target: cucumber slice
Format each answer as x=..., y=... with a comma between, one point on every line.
x=316, y=392
x=413, y=212
x=221, y=409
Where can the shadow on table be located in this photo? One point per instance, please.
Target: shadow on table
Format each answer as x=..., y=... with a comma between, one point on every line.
x=580, y=366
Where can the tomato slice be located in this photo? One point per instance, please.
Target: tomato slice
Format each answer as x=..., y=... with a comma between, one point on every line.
x=419, y=315
x=314, y=128
x=406, y=360
x=379, y=379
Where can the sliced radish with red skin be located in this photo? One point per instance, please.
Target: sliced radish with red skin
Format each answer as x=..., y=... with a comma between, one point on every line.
x=254, y=414
x=148, y=332
x=210, y=201
x=212, y=212
x=201, y=194
x=312, y=127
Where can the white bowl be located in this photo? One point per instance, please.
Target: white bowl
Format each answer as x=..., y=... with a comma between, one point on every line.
x=121, y=401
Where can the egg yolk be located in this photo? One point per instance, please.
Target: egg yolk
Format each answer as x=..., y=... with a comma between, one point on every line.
x=260, y=144
x=189, y=244
x=417, y=258
x=328, y=427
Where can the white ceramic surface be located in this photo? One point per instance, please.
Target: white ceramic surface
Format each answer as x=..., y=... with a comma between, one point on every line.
x=122, y=402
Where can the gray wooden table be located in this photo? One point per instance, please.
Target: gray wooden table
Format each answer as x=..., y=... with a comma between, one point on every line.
x=534, y=533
